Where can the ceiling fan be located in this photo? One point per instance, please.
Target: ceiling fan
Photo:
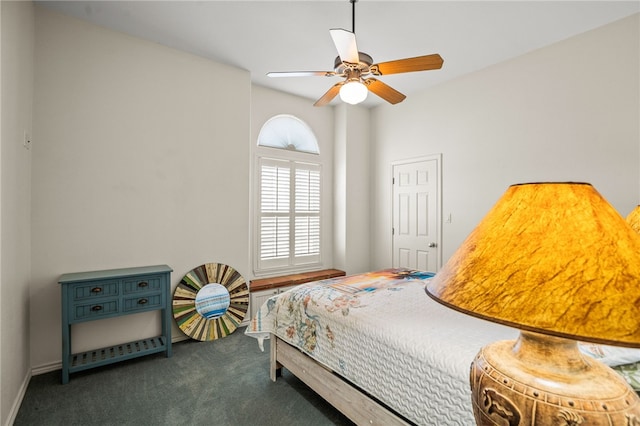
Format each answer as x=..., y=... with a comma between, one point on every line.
x=356, y=66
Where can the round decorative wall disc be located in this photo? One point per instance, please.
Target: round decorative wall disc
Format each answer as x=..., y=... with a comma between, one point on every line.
x=210, y=302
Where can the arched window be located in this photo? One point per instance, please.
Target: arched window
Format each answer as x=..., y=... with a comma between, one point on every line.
x=288, y=132
x=289, y=195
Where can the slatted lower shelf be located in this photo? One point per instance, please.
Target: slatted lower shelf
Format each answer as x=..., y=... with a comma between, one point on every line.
x=103, y=356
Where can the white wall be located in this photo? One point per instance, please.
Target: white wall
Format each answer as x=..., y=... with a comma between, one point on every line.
x=17, y=23
x=569, y=111
x=141, y=157
x=351, y=189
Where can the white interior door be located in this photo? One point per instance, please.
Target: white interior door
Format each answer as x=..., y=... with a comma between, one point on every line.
x=416, y=218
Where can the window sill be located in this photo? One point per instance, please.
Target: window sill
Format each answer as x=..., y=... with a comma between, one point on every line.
x=293, y=279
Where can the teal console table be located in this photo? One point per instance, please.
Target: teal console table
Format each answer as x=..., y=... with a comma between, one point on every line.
x=89, y=296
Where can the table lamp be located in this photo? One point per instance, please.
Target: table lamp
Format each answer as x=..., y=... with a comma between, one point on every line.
x=556, y=261
x=633, y=219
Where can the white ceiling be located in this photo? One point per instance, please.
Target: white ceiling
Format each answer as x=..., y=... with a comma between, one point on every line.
x=262, y=36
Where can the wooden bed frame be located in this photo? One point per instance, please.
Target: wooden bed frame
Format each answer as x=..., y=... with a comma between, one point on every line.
x=349, y=400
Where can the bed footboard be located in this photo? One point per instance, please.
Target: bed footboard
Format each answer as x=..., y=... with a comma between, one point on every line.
x=350, y=401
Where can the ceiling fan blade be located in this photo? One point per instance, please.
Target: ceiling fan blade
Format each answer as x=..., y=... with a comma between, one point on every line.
x=331, y=93
x=345, y=42
x=302, y=74
x=385, y=91
x=420, y=63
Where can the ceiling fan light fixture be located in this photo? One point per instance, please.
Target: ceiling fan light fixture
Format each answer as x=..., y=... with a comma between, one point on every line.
x=356, y=68
x=353, y=92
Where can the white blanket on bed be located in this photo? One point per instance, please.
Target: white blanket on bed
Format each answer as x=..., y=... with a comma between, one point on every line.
x=383, y=333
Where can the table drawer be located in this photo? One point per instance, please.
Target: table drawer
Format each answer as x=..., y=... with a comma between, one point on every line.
x=142, y=284
x=95, y=289
x=94, y=310
x=142, y=303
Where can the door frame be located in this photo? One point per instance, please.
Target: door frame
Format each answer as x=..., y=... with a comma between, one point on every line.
x=438, y=160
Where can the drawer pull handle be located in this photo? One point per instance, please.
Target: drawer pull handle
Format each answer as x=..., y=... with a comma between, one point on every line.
x=142, y=301
x=143, y=284
x=96, y=308
x=96, y=290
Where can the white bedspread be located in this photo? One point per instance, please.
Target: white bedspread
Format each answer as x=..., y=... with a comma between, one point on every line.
x=383, y=333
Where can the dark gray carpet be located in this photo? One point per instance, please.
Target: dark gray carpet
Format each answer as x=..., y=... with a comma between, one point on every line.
x=224, y=382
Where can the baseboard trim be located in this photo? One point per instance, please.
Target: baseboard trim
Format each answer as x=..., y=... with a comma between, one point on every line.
x=46, y=368
x=176, y=339
x=13, y=413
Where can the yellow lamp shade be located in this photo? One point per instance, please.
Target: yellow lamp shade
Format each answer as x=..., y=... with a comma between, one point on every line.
x=554, y=258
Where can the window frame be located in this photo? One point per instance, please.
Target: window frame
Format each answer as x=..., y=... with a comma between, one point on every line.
x=304, y=158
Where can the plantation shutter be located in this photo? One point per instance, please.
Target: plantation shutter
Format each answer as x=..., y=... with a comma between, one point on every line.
x=289, y=216
x=275, y=201
x=307, y=212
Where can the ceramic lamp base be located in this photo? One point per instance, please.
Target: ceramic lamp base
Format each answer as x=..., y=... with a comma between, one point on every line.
x=544, y=380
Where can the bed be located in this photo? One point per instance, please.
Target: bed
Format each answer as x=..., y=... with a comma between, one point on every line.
x=381, y=333
x=377, y=347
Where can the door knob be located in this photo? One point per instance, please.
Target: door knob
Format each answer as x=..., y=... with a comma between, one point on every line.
x=433, y=245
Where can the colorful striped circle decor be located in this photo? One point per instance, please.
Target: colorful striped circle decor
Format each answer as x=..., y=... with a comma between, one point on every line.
x=210, y=301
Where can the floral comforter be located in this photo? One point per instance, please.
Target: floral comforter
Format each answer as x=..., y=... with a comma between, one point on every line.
x=382, y=332
x=300, y=316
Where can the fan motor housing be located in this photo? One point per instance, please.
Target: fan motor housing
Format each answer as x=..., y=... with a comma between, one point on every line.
x=363, y=66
